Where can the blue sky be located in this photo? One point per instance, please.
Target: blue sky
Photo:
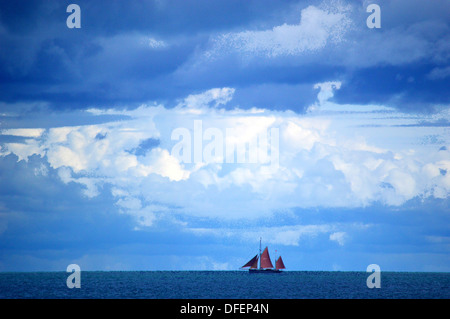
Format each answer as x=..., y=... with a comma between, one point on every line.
x=88, y=172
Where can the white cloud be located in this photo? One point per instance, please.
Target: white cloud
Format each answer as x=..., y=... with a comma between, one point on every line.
x=335, y=33
x=333, y=156
x=216, y=96
x=327, y=90
x=22, y=150
x=339, y=237
x=277, y=235
x=129, y=203
x=24, y=132
x=439, y=73
x=292, y=235
x=160, y=161
x=155, y=44
x=316, y=28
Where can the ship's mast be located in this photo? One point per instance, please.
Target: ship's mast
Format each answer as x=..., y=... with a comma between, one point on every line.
x=259, y=252
x=275, y=263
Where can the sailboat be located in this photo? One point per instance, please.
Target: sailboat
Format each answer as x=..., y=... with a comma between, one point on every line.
x=265, y=264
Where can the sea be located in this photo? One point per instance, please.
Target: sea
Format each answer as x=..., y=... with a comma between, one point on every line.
x=224, y=285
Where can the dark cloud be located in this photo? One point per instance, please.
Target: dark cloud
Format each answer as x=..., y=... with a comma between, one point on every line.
x=144, y=146
x=110, y=62
x=406, y=88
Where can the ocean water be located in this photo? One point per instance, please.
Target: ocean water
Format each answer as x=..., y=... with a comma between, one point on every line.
x=224, y=285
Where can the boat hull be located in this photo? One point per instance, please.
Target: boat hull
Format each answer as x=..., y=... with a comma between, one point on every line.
x=264, y=271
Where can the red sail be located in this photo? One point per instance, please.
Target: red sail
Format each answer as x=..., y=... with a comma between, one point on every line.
x=265, y=259
x=253, y=263
x=279, y=264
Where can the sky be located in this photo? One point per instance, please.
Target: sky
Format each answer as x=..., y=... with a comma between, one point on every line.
x=173, y=135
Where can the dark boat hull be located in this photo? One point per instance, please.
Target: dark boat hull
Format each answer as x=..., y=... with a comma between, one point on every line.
x=264, y=271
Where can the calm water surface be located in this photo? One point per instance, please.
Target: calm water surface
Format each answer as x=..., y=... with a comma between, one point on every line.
x=224, y=285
